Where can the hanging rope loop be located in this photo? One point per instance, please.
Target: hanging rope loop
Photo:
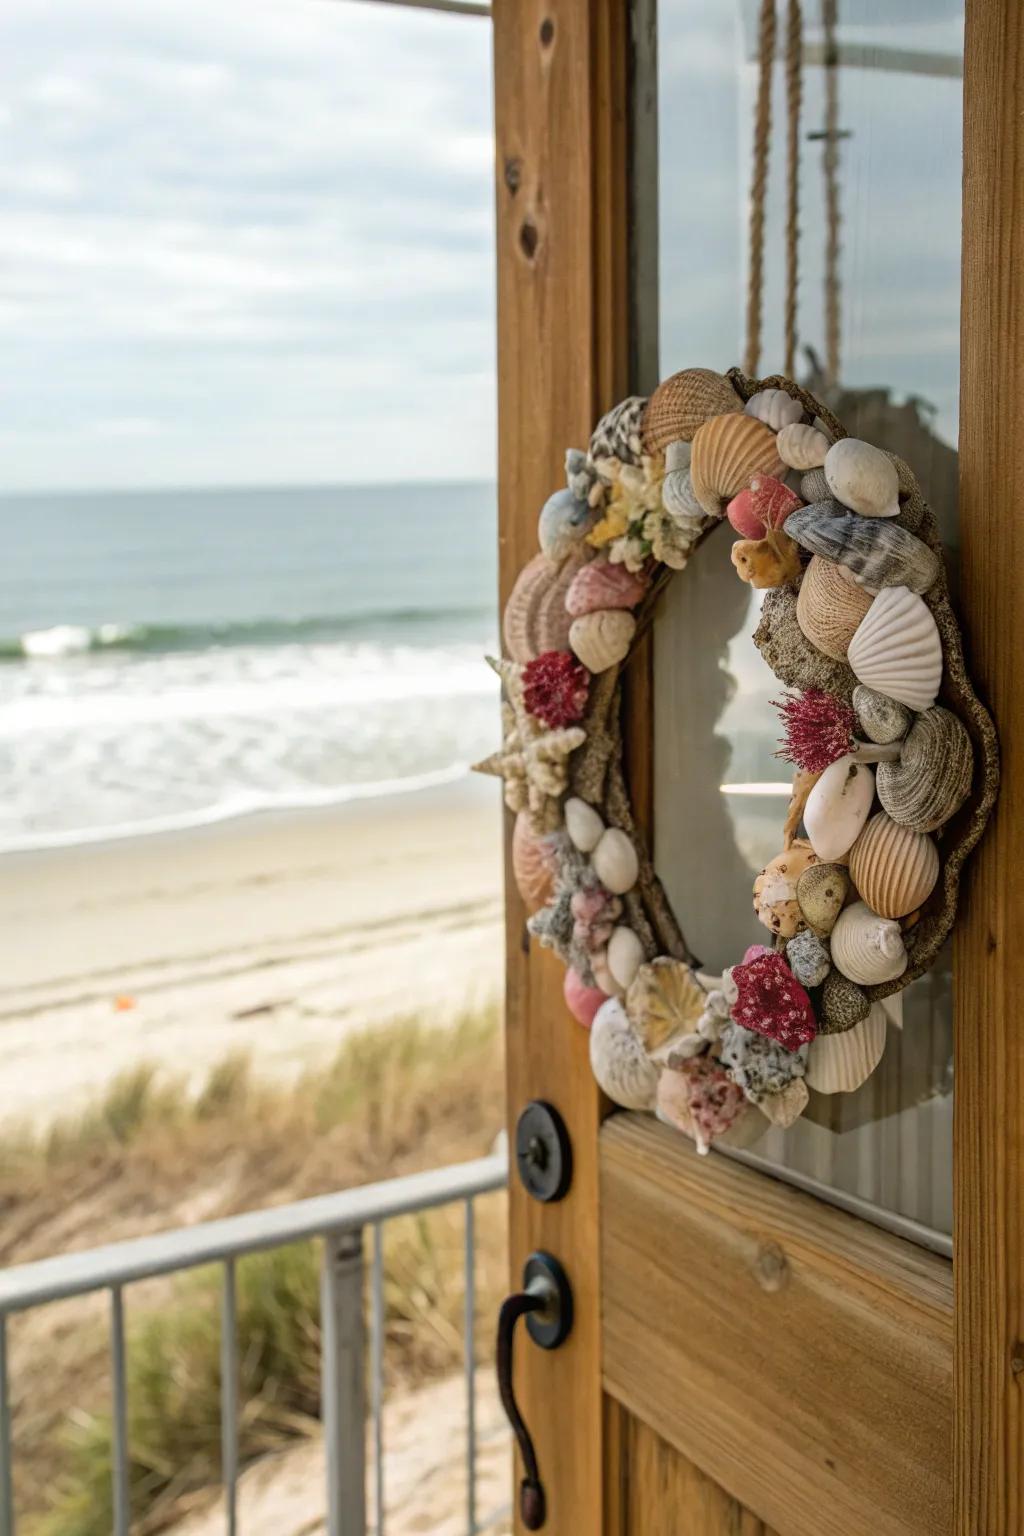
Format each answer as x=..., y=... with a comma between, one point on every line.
x=794, y=101
x=759, y=182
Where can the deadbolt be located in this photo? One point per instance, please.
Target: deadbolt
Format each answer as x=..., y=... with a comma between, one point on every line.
x=543, y=1152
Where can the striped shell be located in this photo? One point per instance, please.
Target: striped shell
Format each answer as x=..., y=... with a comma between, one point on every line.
x=618, y=435
x=602, y=638
x=802, y=447
x=727, y=453
x=840, y=1063
x=894, y=868
x=685, y=402
x=535, y=619
x=664, y=1000
x=879, y=554
x=618, y=1060
x=603, y=585
x=533, y=863
x=829, y=608
x=867, y=948
x=897, y=650
x=775, y=408
x=932, y=779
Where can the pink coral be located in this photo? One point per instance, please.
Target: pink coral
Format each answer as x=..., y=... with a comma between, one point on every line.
x=819, y=729
x=713, y=1100
x=766, y=503
x=595, y=912
x=772, y=1002
x=555, y=688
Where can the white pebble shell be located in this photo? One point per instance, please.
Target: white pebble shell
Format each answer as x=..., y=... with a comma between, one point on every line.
x=625, y=955
x=840, y=1063
x=896, y=649
x=837, y=808
x=603, y=976
x=863, y=478
x=583, y=824
x=602, y=638
x=677, y=456
x=802, y=447
x=618, y=1060
x=678, y=496
x=615, y=862
x=867, y=948
x=775, y=408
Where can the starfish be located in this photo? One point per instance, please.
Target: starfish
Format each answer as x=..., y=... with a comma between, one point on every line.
x=533, y=759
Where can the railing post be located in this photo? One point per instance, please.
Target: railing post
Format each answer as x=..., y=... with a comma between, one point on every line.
x=343, y=1382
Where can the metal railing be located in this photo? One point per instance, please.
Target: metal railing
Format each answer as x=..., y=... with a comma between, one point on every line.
x=339, y=1221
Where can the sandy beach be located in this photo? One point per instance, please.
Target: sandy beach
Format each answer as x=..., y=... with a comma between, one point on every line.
x=275, y=934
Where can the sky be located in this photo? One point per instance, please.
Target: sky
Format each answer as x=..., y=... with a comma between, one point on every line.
x=244, y=242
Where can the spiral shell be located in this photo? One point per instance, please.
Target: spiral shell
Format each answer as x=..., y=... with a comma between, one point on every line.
x=563, y=524
x=840, y=1063
x=932, y=778
x=684, y=402
x=727, y=453
x=894, y=868
x=535, y=618
x=603, y=585
x=618, y=435
x=678, y=496
x=829, y=608
x=533, y=863
x=775, y=408
x=897, y=650
x=878, y=554
x=665, y=1000
x=618, y=1060
x=866, y=947
x=863, y=478
x=602, y=638
x=802, y=447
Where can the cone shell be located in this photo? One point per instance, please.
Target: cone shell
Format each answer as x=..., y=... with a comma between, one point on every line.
x=840, y=1063
x=897, y=650
x=618, y=1060
x=665, y=1000
x=838, y=806
x=533, y=863
x=867, y=948
x=829, y=608
x=894, y=868
x=802, y=447
x=863, y=478
x=602, y=638
x=615, y=862
x=535, y=618
x=775, y=890
x=685, y=402
x=932, y=779
x=876, y=554
x=775, y=408
x=727, y=453
x=603, y=585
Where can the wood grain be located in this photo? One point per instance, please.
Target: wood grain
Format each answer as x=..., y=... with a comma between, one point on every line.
x=989, y=968
x=801, y=1358
x=560, y=112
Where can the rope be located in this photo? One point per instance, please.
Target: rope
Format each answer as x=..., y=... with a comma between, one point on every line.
x=794, y=100
x=830, y=165
x=759, y=183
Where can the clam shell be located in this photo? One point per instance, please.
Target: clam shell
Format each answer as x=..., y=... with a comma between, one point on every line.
x=535, y=618
x=802, y=447
x=838, y=806
x=840, y=1063
x=727, y=453
x=625, y=956
x=603, y=585
x=863, y=478
x=602, y=638
x=866, y=947
x=582, y=1001
x=775, y=898
x=618, y=435
x=897, y=650
x=684, y=402
x=882, y=720
x=932, y=778
x=615, y=862
x=821, y=891
x=533, y=863
x=678, y=496
x=583, y=824
x=879, y=554
x=775, y=408
x=894, y=868
x=829, y=608
x=563, y=524
x=665, y=1000
x=618, y=1060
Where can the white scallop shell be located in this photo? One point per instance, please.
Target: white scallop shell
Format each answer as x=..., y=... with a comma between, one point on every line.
x=802, y=447
x=838, y=806
x=775, y=408
x=896, y=649
x=615, y=862
x=602, y=638
x=863, y=478
x=840, y=1063
x=583, y=824
x=868, y=949
x=619, y=1062
x=625, y=955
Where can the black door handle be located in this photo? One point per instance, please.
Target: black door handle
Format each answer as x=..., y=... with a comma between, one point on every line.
x=546, y=1303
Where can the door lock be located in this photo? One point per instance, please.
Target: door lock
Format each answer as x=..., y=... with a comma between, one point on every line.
x=543, y=1152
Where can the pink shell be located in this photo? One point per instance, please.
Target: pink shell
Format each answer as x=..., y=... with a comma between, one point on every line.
x=603, y=585
x=581, y=1000
x=533, y=863
x=766, y=503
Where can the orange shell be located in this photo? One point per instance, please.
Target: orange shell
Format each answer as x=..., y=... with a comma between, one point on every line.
x=533, y=863
x=683, y=403
x=830, y=607
x=727, y=452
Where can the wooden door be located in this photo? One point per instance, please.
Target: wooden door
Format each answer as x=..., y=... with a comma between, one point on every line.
x=746, y=1358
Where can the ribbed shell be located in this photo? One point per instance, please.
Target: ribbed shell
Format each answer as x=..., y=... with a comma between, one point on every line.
x=602, y=638
x=618, y=1060
x=830, y=608
x=603, y=585
x=893, y=868
x=775, y=408
x=878, y=553
x=727, y=453
x=533, y=863
x=866, y=947
x=535, y=618
x=685, y=402
x=664, y=1000
x=840, y=1063
x=897, y=650
x=932, y=779
x=802, y=447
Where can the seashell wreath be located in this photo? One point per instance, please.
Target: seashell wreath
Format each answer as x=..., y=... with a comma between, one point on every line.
x=895, y=757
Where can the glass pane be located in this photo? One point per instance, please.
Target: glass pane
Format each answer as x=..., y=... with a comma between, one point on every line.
x=720, y=792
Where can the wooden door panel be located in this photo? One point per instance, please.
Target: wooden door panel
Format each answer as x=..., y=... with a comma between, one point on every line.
x=800, y=1357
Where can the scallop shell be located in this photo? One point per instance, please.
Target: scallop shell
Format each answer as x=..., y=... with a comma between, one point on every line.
x=866, y=947
x=533, y=863
x=775, y=898
x=582, y=1001
x=802, y=447
x=625, y=955
x=618, y=433
x=838, y=806
x=840, y=1063
x=618, y=1060
x=603, y=585
x=897, y=650
x=821, y=891
x=665, y=1000
x=878, y=554
x=535, y=618
x=727, y=453
x=583, y=824
x=684, y=402
x=775, y=408
x=829, y=608
x=615, y=862
x=882, y=720
x=894, y=868
x=602, y=638
x=932, y=779
x=863, y=478
x=563, y=524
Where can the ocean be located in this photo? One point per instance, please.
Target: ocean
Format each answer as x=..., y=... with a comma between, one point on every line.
x=178, y=657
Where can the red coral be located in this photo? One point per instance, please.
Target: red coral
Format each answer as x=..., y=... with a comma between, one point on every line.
x=819, y=729
x=713, y=1099
x=555, y=688
x=771, y=1001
